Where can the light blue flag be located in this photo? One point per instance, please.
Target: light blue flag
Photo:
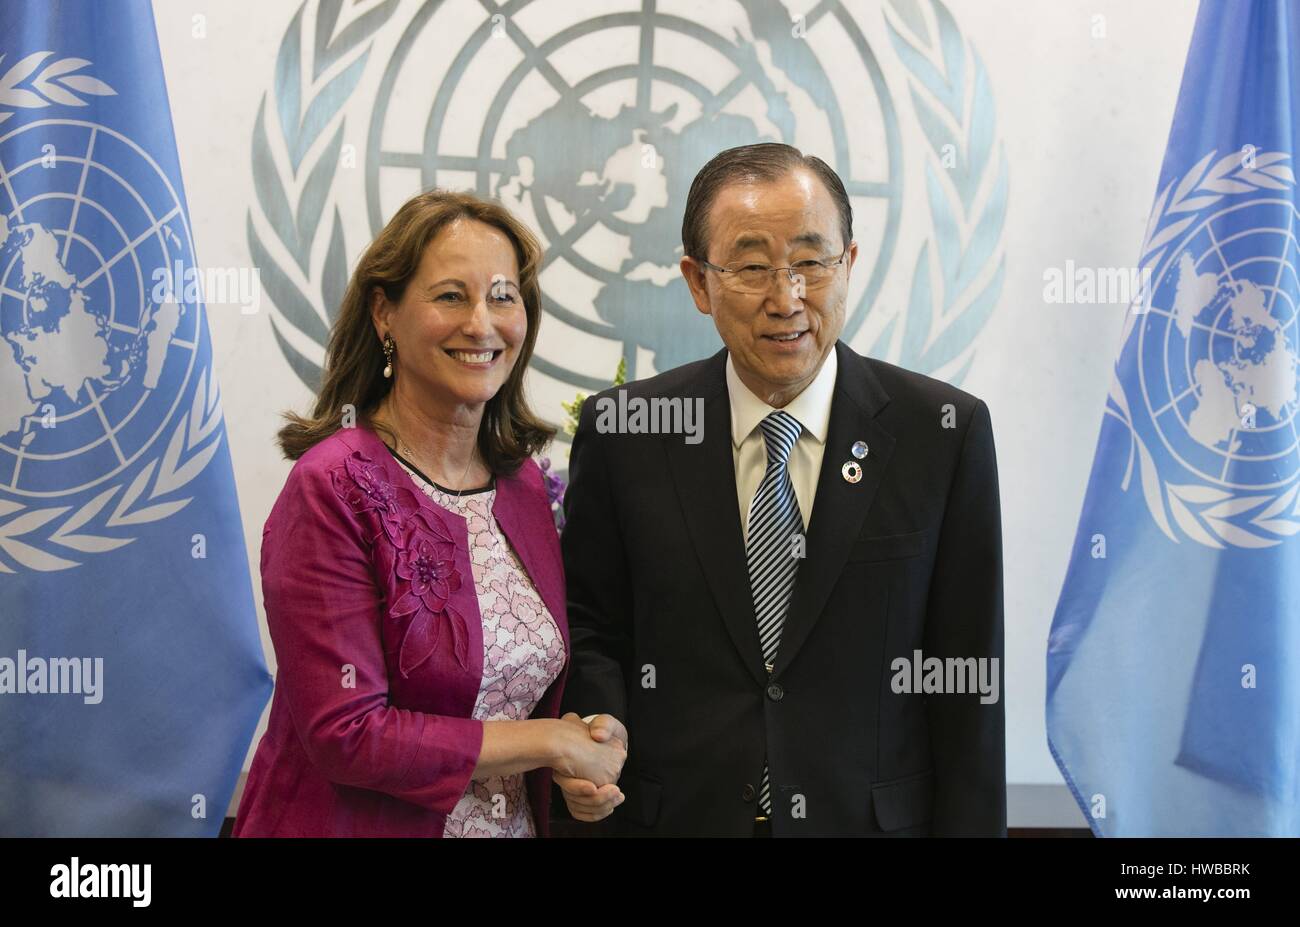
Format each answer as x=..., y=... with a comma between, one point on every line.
x=1173, y=666
x=131, y=672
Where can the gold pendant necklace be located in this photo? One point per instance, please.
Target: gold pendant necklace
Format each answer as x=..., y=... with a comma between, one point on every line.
x=402, y=445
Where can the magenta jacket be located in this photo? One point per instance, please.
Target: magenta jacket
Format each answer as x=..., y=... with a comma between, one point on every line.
x=372, y=610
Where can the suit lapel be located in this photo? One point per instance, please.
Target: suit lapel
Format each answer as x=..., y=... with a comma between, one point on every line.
x=705, y=477
x=514, y=511
x=520, y=519
x=840, y=506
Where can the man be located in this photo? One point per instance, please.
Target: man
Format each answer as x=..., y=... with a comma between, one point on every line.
x=754, y=609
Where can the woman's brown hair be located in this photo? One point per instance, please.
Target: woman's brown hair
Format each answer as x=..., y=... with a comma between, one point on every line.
x=354, y=361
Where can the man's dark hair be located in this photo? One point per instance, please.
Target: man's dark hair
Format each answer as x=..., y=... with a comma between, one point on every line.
x=763, y=162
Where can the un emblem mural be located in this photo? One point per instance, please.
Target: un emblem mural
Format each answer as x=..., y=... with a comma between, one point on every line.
x=1207, y=383
x=590, y=126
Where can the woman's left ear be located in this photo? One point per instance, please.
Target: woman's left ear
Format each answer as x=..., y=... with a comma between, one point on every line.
x=379, y=309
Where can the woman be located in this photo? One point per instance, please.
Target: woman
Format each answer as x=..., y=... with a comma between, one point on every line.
x=410, y=567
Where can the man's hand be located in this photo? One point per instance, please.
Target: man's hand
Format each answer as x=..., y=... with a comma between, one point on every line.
x=606, y=727
x=586, y=801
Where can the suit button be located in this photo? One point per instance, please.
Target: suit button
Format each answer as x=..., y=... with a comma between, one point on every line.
x=748, y=793
x=775, y=692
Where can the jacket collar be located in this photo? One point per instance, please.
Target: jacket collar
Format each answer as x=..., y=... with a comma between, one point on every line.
x=811, y=408
x=520, y=509
x=705, y=477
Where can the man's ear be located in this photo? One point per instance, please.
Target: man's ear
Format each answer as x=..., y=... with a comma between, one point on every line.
x=853, y=253
x=693, y=271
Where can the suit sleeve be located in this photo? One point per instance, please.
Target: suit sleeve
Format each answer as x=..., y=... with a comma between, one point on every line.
x=964, y=618
x=324, y=609
x=595, y=566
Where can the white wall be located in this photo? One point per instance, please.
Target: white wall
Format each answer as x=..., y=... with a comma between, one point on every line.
x=1083, y=121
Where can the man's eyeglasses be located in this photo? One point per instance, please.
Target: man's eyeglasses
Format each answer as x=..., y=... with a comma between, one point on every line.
x=750, y=277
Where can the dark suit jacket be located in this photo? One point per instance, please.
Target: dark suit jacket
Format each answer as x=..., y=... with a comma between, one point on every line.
x=908, y=558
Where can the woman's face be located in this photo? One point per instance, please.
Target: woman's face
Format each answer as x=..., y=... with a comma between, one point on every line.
x=461, y=321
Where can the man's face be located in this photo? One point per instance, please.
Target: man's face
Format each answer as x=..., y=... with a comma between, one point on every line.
x=777, y=338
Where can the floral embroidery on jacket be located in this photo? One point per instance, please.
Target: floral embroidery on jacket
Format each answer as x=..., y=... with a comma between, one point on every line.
x=424, y=567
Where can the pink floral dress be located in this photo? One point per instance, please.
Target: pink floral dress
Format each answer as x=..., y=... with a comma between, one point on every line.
x=523, y=653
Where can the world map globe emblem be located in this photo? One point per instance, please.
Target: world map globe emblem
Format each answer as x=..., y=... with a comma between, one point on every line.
x=1217, y=354
x=592, y=135
x=95, y=355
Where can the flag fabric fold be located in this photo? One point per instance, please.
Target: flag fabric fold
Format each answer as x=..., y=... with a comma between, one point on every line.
x=1173, y=664
x=131, y=669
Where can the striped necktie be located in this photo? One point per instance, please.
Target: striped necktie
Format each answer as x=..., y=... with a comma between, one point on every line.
x=774, y=519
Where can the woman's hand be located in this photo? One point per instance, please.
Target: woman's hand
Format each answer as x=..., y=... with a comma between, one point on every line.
x=582, y=756
x=587, y=801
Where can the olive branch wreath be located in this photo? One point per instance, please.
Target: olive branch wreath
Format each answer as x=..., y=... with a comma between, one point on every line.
x=1208, y=515
x=192, y=444
x=950, y=92
x=304, y=117
x=56, y=84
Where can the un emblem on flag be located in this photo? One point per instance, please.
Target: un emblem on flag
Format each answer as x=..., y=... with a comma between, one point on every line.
x=1208, y=382
x=106, y=409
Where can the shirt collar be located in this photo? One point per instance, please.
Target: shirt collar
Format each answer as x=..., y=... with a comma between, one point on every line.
x=812, y=407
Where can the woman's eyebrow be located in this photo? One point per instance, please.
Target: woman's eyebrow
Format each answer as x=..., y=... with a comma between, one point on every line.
x=452, y=280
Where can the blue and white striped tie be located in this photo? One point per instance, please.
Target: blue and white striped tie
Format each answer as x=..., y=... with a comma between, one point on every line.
x=774, y=520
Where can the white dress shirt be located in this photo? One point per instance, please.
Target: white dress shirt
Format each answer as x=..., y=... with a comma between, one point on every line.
x=812, y=409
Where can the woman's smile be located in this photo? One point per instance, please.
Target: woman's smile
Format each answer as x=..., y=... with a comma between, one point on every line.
x=477, y=360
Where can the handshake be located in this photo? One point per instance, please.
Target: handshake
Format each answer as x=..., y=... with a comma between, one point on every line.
x=590, y=766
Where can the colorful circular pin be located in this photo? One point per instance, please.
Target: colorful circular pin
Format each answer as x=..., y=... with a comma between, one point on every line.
x=852, y=471
x=859, y=449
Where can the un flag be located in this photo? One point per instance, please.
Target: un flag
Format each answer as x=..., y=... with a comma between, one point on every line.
x=1173, y=667
x=131, y=672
